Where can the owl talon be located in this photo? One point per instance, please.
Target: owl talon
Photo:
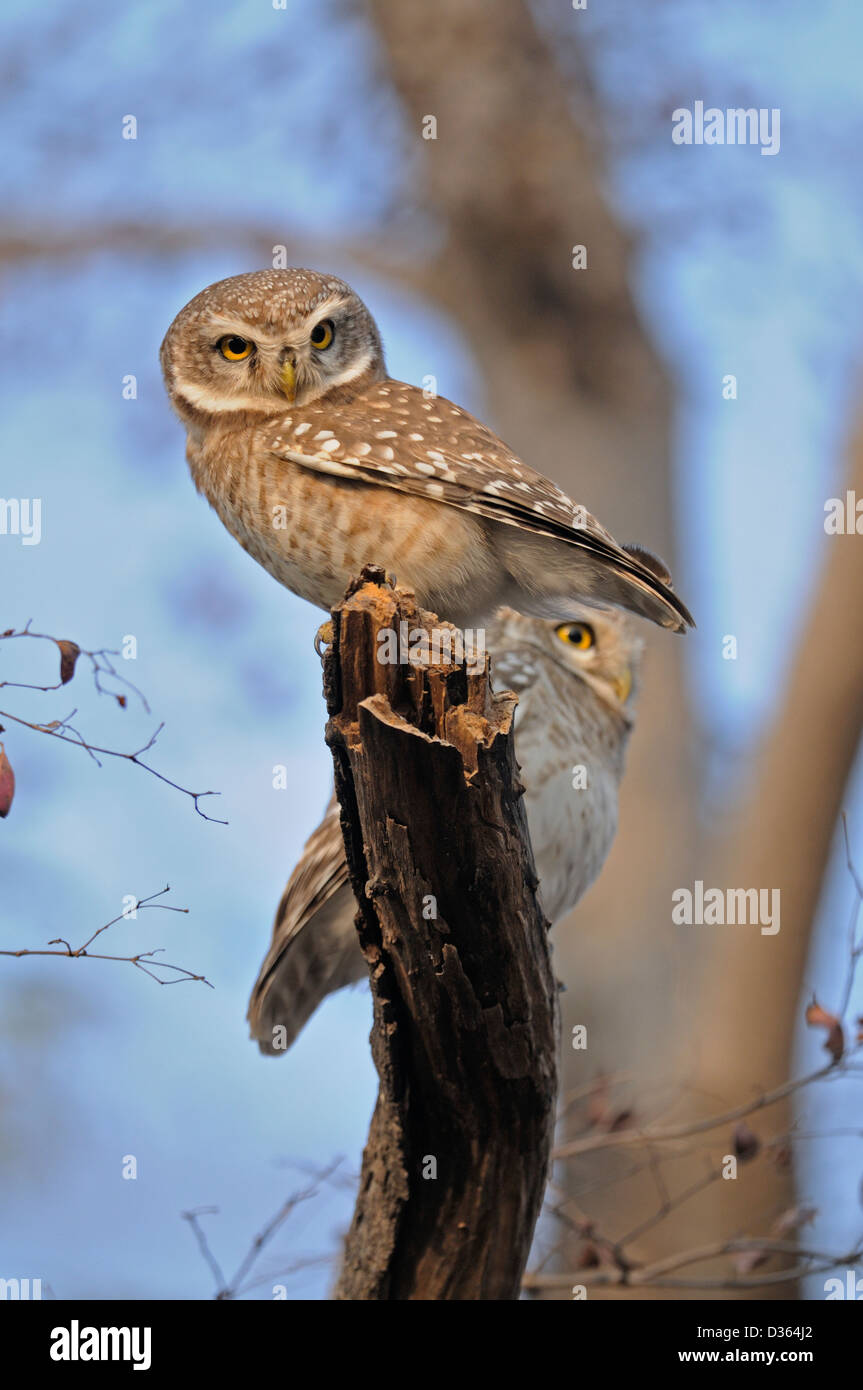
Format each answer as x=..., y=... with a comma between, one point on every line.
x=324, y=637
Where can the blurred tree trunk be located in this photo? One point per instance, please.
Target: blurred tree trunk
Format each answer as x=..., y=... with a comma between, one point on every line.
x=780, y=837
x=786, y=818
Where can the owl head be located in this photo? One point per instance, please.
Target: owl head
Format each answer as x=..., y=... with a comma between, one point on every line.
x=600, y=648
x=264, y=341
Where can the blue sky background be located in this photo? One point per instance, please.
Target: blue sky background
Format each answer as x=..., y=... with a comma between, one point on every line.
x=748, y=265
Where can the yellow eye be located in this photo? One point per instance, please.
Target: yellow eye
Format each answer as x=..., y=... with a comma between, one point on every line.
x=322, y=334
x=234, y=348
x=578, y=635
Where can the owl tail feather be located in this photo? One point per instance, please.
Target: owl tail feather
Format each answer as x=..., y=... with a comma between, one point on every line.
x=592, y=569
x=306, y=962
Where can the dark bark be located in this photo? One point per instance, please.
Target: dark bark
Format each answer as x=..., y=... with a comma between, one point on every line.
x=465, y=1027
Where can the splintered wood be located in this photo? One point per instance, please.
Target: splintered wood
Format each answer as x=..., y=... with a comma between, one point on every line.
x=465, y=1003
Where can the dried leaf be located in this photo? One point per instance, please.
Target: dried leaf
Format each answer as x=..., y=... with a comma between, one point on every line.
x=597, y=1105
x=588, y=1257
x=746, y=1143
x=747, y=1260
x=621, y=1120
x=791, y=1220
x=69, y=653
x=7, y=784
x=817, y=1017
x=835, y=1043
x=121, y=701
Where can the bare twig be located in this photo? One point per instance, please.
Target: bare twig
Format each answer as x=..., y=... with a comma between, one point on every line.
x=61, y=729
x=181, y=973
x=101, y=666
x=841, y=1065
x=623, y=1138
x=606, y=1260
x=855, y=947
x=656, y=1275
x=238, y=1285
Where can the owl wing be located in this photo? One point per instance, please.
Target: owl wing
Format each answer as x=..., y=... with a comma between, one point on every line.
x=314, y=950
x=393, y=437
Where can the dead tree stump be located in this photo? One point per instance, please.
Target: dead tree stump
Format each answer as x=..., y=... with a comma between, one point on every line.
x=465, y=1029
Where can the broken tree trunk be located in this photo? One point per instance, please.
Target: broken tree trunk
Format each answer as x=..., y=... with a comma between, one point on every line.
x=465, y=1026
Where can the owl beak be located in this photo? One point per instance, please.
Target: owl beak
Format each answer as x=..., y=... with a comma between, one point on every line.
x=289, y=378
x=622, y=685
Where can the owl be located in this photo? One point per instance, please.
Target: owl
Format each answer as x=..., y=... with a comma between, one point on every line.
x=318, y=463
x=576, y=683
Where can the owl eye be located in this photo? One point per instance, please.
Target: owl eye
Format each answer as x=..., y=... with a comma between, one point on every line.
x=578, y=635
x=234, y=348
x=322, y=334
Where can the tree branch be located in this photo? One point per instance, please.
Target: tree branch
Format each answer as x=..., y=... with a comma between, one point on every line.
x=180, y=972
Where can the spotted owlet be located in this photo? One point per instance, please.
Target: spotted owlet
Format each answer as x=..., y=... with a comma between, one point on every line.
x=319, y=463
x=575, y=683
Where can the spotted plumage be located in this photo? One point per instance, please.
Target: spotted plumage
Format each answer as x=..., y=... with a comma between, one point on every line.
x=319, y=463
x=575, y=683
